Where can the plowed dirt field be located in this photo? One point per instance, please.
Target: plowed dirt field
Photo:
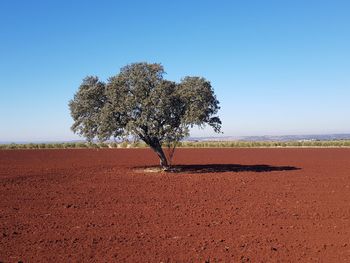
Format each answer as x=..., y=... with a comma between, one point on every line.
x=229, y=205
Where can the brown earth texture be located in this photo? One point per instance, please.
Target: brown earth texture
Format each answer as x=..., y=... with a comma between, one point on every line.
x=220, y=205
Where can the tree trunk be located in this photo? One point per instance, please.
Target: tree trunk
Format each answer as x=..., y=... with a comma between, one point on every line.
x=157, y=147
x=159, y=151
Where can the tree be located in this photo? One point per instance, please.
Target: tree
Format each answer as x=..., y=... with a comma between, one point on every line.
x=139, y=102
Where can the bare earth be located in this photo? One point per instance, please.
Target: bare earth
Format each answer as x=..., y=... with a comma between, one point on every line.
x=231, y=205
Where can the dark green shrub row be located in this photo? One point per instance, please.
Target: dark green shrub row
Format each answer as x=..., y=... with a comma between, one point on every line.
x=207, y=144
x=248, y=144
x=72, y=145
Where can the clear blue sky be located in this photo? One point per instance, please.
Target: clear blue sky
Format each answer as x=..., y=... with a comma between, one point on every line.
x=277, y=67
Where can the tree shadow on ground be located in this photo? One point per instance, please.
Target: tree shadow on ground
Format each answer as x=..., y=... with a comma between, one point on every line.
x=222, y=168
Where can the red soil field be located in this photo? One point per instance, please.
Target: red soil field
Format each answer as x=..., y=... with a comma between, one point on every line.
x=231, y=205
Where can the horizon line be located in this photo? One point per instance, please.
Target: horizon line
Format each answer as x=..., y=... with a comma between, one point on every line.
x=234, y=137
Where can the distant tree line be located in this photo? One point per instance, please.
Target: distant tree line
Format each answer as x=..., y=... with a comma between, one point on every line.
x=183, y=144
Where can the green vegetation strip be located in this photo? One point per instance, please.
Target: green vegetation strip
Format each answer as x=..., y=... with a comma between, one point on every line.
x=207, y=144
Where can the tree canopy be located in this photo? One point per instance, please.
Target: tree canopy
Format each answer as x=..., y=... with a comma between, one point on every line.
x=139, y=102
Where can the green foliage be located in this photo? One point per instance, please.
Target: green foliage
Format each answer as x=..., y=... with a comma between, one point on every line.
x=113, y=145
x=81, y=145
x=140, y=102
x=93, y=145
x=124, y=144
x=86, y=106
x=103, y=145
x=138, y=144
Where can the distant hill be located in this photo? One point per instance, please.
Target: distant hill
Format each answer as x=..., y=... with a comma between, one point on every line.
x=280, y=138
